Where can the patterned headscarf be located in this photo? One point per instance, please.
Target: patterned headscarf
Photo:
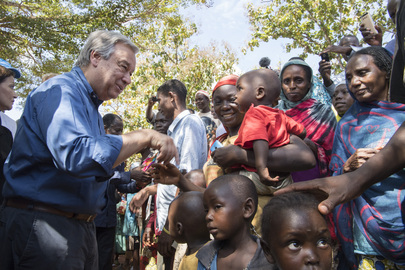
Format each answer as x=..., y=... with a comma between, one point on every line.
x=284, y=104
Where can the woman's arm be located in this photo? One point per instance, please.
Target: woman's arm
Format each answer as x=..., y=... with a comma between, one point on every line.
x=296, y=156
x=343, y=188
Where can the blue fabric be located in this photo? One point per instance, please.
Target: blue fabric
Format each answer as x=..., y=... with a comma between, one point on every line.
x=320, y=92
x=213, y=265
x=120, y=180
x=130, y=224
x=379, y=210
x=39, y=240
x=60, y=148
x=208, y=256
x=390, y=46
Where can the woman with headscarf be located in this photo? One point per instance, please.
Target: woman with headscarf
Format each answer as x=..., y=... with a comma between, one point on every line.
x=371, y=227
x=317, y=118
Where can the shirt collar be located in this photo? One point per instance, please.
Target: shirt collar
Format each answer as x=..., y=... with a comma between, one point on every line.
x=86, y=84
x=177, y=120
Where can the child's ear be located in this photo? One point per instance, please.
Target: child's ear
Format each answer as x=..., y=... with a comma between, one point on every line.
x=249, y=208
x=260, y=93
x=179, y=228
x=267, y=252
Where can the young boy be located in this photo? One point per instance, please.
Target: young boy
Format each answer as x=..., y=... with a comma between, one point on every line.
x=295, y=234
x=263, y=126
x=230, y=202
x=187, y=225
x=196, y=177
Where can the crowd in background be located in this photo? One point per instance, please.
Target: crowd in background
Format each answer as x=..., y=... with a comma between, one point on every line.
x=220, y=188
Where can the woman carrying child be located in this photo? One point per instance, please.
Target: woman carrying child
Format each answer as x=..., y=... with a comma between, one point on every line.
x=293, y=156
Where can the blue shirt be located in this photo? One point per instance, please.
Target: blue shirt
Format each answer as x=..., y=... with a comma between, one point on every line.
x=60, y=148
x=121, y=180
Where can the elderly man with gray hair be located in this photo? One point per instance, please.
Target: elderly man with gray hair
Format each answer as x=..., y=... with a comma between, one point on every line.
x=61, y=158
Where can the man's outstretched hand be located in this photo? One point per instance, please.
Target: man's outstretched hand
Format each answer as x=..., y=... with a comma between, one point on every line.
x=330, y=191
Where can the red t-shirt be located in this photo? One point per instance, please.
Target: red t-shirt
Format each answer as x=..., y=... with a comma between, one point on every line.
x=266, y=123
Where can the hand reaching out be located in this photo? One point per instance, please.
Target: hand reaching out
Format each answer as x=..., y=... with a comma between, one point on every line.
x=142, y=178
x=139, y=198
x=166, y=147
x=147, y=237
x=167, y=174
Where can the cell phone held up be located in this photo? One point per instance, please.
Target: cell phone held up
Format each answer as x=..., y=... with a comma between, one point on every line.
x=325, y=56
x=215, y=145
x=368, y=22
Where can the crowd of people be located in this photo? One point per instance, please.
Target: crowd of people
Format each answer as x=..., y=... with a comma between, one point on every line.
x=276, y=170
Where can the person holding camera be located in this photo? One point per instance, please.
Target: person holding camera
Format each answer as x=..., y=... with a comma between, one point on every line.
x=347, y=46
x=150, y=114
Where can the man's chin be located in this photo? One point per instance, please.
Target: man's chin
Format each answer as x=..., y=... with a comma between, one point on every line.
x=113, y=95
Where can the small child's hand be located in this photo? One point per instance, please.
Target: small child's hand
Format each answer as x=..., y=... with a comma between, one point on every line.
x=146, y=238
x=138, y=200
x=167, y=174
x=266, y=179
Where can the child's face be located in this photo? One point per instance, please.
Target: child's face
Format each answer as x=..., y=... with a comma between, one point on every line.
x=341, y=99
x=246, y=94
x=300, y=240
x=224, y=214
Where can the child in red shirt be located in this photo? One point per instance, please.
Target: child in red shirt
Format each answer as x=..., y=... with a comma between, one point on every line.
x=263, y=126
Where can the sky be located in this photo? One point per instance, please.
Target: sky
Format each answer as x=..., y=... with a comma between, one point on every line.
x=226, y=21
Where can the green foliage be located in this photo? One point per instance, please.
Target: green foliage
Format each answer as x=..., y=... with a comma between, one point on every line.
x=45, y=36
x=312, y=25
x=169, y=56
x=165, y=54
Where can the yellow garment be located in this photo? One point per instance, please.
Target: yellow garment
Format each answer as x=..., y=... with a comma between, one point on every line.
x=372, y=262
x=211, y=169
x=189, y=262
x=336, y=113
x=152, y=264
x=265, y=193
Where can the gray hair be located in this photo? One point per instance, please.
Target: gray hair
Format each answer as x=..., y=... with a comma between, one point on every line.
x=103, y=42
